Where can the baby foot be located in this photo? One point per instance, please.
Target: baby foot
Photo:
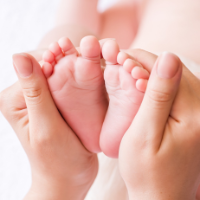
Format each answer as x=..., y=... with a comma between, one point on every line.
x=125, y=98
x=137, y=71
x=77, y=86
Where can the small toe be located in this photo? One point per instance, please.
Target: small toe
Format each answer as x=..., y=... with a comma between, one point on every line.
x=48, y=57
x=67, y=46
x=90, y=48
x=139, y=73
x=47, y=69
x=141, y=84
x=129, y=64
x=56, y=50
x=110, y=51
x=122, y=57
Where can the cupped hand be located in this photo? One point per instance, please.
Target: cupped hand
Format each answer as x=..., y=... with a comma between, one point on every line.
x=160, y=153
x=61, y=166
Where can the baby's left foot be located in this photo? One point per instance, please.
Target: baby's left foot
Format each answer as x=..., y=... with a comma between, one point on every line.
x=125, y=86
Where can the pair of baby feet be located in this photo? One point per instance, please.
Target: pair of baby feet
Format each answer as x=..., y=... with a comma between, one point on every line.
x=79, y=85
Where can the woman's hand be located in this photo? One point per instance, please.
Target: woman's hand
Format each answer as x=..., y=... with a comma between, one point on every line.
x=61, y=167
x=160, y=153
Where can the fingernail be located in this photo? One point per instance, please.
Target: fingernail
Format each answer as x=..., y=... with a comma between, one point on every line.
x=22, y=65
x=167, y=66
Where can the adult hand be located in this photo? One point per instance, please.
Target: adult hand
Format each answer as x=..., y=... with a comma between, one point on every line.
x=159, y=154
x=61, y=167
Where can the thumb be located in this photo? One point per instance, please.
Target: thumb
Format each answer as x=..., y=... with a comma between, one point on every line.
x=162, y=87
x=40, y=105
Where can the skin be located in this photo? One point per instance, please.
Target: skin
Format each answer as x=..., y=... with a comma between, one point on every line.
x=166, y=149
x=61, y=166
x=144, y=24
x=165, y=26
x=63, y=180
x=141, y=42
x=76, y=19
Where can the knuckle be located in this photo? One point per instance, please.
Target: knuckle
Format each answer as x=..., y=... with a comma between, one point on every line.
x=33, y=93
x=159, y=96
x=41, y=141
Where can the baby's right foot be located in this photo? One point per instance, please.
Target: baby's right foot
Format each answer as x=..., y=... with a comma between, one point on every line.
x=78, y=87
x=124, y=94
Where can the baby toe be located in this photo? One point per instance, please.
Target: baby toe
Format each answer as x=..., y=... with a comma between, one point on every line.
x=122, y=57
x=48, y=56
x=139, y=73
x=56, y=50
x=141, y=84
x=90, y=48
x=129, y=64
x=67, y=46
x=47, y=69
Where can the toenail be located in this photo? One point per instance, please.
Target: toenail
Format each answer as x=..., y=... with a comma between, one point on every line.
x=24, y=69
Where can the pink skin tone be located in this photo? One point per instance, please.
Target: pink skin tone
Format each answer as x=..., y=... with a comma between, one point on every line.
x=61, y=166
x=135, y=69
x=77, y=86
x=162, y=143
x=124, y=96
x=155, y=39
x=135, y=22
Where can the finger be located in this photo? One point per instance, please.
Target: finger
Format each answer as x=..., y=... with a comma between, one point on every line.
x=160, y=94
x=188, y=83
x=41, y=109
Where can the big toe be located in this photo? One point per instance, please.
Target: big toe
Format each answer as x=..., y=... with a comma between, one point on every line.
x=110, y=51
x=90, y=48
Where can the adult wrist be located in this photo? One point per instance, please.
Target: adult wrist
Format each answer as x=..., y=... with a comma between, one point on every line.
x=51, y=187
x=55, y=190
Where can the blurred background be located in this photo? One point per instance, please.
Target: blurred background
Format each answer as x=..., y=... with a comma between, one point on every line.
x=23, y=23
